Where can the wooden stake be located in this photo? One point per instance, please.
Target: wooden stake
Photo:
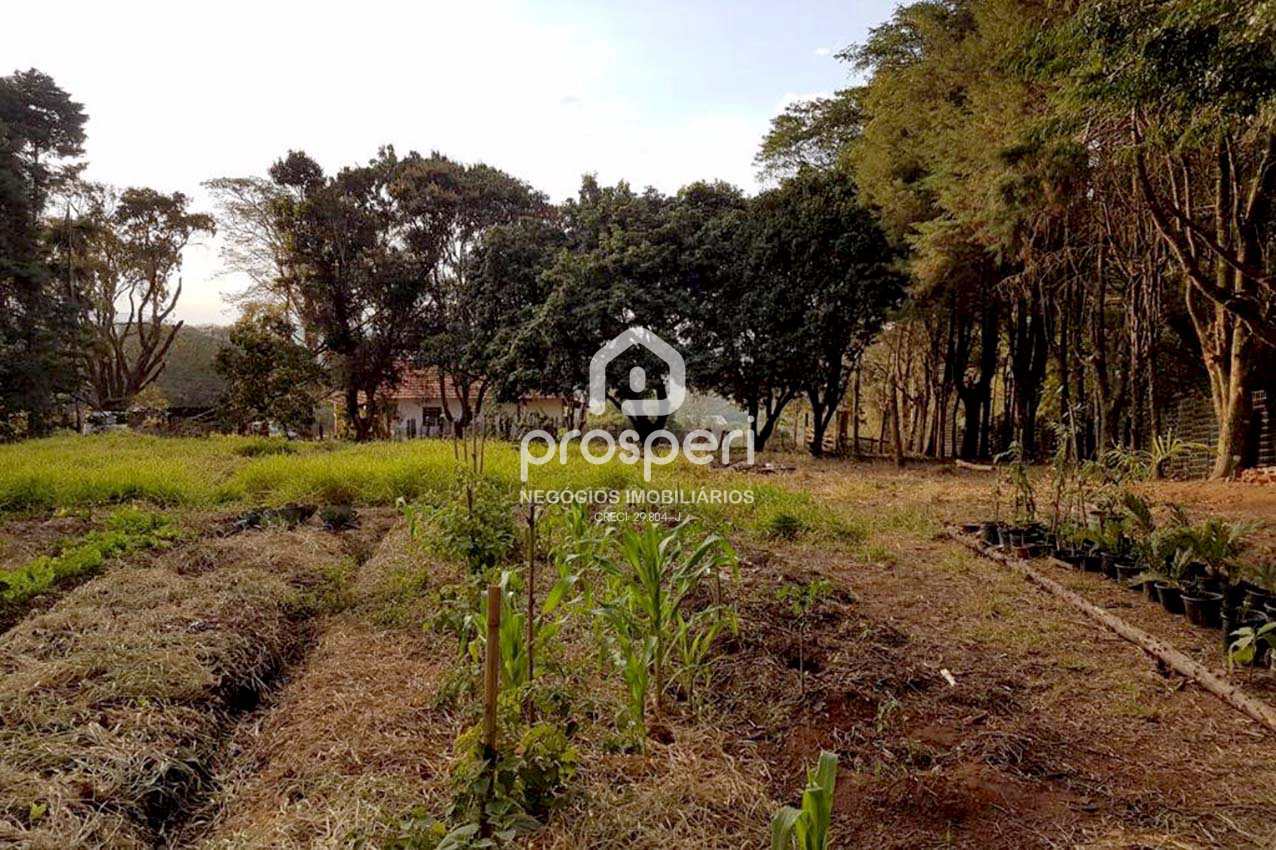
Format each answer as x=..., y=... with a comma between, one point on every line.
x=492, y=670
x=1171, y=657
x=531, y=590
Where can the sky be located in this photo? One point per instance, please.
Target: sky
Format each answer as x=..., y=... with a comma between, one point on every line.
x=655, y=93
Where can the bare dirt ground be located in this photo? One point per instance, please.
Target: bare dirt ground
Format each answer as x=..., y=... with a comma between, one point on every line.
x=1057, y=732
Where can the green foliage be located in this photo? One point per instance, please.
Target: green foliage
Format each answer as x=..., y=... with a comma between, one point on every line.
x=127, y=530
x=807, y=828
x=785, y=526
x=41, y=137
x=515, y=668
x=1244, y=648
x=657, y=569
x=475, y=525
x=269, y=376
x=265, y=447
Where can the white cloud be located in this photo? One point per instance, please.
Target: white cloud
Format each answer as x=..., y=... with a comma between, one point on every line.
x=823, y=51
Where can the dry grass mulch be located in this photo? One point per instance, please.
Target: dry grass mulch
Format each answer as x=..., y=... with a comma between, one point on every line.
x=113, y=701
x=353, y=739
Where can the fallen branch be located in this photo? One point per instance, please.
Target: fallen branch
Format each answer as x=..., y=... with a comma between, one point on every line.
x=1171, y=657
x=979, y=467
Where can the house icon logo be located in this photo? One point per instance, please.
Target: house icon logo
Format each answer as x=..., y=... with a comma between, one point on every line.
x=677, y=380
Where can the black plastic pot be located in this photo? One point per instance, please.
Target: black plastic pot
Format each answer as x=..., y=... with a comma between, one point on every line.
x=1256, y=600
x=1092, y=563
x=1109, y=564
x=1069, y=555
x=1126, y=572
x=1203, y=608
x=1149, y=590
x=1171, y=597
x=1017, y=537
x=990, y=531
x=972, y=527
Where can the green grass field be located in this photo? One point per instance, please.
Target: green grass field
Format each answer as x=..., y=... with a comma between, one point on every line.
x=70, y=472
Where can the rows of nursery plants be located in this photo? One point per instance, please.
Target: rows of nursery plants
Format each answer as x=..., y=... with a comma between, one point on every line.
x=1094, y=518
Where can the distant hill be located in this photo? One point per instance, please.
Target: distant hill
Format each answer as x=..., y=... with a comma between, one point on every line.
x=189, y=379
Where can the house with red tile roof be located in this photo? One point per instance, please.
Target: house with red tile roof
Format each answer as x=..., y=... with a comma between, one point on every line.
x=415, y=405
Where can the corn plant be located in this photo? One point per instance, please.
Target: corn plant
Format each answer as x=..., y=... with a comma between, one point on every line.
x=807, y=828
x=580, y=545
x=646, y=586
x=514, y=648
x=693, y=641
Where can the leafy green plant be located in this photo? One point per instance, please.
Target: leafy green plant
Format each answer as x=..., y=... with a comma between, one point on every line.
x=802, y=599
x=656, y=570
x=475, y=524
x=515, y=669
x=807, y=828
x=1263, y=574
x=1219, y=545
x=510, y=792
x=1017, y=475
x=127, y=530
x=1245, y=647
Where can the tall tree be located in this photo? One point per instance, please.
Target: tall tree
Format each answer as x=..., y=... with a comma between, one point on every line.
x=252, y=215
x=820, y=246
x=1188, y=87
x=448, y=209
x=41, y=139
x=126, y=248
x=362, y=269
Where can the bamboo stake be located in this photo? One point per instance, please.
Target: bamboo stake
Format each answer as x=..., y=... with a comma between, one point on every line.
x=531, y=592
x=492, y=670
x=1255, y=709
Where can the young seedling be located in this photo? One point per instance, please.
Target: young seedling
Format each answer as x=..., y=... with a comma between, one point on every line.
x=807, y=828
x=802, y=599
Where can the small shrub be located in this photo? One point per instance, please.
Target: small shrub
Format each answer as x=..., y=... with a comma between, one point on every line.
x=785, y=526
x=475, y=525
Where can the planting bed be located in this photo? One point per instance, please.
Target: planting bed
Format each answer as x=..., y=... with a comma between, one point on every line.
x=114, y=700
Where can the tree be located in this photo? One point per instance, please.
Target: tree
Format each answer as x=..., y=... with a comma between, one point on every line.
x=252, y=215
x=1188, y=88
x=620, y=268
x=269, y=375
x=41, y=139
x=448, y=210
x=810, y=134
x=126, y=253
x=820, y=247
x=739, y=346
x=363, y=266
